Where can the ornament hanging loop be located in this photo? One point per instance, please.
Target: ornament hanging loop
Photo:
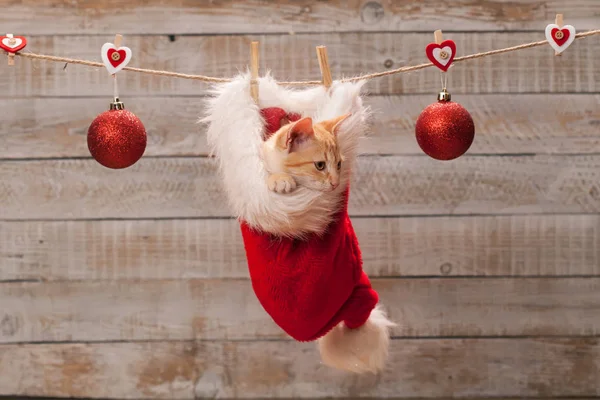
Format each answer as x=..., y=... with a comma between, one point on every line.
x=444, y=80
x=115, y=88
x=116, y=103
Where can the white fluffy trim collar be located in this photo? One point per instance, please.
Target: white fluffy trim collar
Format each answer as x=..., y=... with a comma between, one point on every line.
x=235, y=131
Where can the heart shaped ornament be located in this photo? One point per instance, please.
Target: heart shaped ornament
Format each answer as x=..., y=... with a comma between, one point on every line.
x=442, y=54
x=12, y=44
x=560, y=38
x=115, y=58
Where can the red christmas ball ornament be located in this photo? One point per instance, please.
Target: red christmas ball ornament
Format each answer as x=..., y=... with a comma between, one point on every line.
x=445, y=130
x=117, y=138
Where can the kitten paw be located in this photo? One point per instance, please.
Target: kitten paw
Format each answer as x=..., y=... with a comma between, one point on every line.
x=281, y=183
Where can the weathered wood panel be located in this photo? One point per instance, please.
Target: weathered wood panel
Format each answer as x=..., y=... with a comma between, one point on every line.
x=292, y=57
x=255, y=16
x=228, y=309
x=549, y=245
x=395, y=185
x=188, y=370
x=505, y=124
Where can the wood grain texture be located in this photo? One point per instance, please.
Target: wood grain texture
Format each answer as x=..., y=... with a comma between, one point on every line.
x=228, y=310
x=255, y=16
x=546, y=245
x=395, y=185
x=56, y=127
x=292, y=57
x=187, y=370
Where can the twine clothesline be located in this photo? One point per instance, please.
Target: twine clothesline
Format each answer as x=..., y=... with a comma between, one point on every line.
x=212, y=79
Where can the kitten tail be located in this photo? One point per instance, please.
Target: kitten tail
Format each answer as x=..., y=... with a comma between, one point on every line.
x=360, y=350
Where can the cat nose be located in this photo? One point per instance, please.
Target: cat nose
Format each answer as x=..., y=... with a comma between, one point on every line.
x=334, y=184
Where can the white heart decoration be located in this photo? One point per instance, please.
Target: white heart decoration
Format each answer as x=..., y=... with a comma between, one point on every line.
x=112, y=69
x=550, y=39
x=7, y=43
x=443, y=61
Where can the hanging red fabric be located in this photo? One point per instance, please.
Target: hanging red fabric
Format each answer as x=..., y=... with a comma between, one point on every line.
x=309, y=286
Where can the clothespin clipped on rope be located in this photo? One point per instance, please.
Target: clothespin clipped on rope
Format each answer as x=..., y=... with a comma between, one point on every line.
x=438, y=36
x=560, y=36
x=114, y=56
x=118, y=40
x=11, y=44
x=442, y=52
x=324, y=66
x=254, y=71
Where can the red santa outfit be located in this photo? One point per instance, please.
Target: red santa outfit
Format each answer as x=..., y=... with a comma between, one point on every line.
x=308, y=286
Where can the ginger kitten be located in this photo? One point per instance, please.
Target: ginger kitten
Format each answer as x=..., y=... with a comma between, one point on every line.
x=301, y=153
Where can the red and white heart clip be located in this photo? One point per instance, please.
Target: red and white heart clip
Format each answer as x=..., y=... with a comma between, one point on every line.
x=560, y=36
x=442, y=52
x=114, y=56
x=11, y=44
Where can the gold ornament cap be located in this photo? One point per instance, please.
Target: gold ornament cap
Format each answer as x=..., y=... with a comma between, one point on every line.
x=444, y=96
x=117, y=105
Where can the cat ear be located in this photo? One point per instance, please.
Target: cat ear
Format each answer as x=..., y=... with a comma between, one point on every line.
x=339, y=122
x=332, y=125
x=298, y=133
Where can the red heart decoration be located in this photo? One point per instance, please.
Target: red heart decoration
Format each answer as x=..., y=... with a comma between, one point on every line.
x=429, y=50
x=565, y=37
x=117, y=62
x=13, y=49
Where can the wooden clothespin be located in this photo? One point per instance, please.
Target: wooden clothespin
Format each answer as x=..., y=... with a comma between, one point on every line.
x=559, y=22
x=118, y=40
x=254, y=71
x=324, y=66
x=438, y=36
x=11, y=42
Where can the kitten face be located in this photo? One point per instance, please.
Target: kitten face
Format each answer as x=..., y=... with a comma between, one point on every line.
x=311, y=154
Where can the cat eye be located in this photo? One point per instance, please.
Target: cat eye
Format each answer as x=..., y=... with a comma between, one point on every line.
x=320, y=165
x=339, y=165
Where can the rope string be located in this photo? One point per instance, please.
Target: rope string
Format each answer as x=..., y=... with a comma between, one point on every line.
x=212, y=79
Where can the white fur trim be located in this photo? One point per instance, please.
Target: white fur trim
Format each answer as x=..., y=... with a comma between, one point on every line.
x=235, y=131
x=360, y=350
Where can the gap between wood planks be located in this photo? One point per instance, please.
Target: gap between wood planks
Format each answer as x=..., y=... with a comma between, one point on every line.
x=364, y=96
x=378, y=155
x=4, y=397
x=288, y=340
x=173, y=36
x=372, y=278
x=456, y=95
x=353, y=216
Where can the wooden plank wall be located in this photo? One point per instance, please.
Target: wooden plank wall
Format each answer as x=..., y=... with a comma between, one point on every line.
x=133, y=284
